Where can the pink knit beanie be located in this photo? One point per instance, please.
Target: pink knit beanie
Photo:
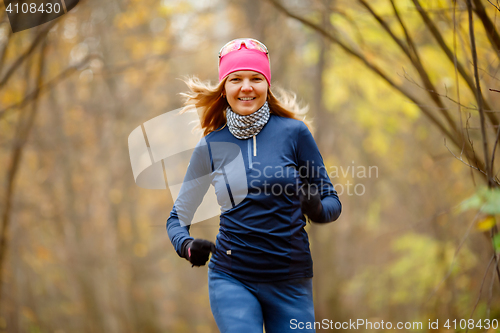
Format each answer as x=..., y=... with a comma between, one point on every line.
x=245, y=60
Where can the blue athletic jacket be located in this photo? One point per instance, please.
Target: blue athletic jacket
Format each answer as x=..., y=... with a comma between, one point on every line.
x=261, y=236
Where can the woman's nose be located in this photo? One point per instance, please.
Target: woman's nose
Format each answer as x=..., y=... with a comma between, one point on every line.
x=246, y=86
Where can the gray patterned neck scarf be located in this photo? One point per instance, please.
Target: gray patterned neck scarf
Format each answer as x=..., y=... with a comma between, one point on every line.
x=244, y=127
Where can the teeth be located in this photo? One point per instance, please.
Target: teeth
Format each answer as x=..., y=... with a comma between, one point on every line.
x=246, y=98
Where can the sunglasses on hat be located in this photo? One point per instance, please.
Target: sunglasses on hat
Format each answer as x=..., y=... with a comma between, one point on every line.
x=236, y=44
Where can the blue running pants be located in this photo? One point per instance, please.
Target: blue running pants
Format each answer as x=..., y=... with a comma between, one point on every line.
x=245, y=307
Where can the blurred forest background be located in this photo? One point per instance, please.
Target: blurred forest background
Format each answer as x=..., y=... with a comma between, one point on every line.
x=399, y=85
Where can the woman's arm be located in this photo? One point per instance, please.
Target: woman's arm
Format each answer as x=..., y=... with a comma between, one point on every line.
x=194, y=187
x=319, y=197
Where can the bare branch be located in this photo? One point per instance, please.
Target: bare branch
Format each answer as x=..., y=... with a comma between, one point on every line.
x=461, y=160
x=455, y=64
x=42, y=88
x=409, y=40
x=467, y=126
x=4, y=50
x=472, y=150
x=334, y=39
x=38, y=39
x=493, y=233
x=481, y=289
x=415, y=60
x=411, y=80
x=386, y=27
x=490, y=293
x=495, y=149
x=367, y=63
x=489, y=27
x=490, y=75
x=498, y=8
x=479, y=96
x=22, y=135
x=451, y=57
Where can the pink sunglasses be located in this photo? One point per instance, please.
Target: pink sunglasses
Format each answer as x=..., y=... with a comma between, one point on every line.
x=250, y=43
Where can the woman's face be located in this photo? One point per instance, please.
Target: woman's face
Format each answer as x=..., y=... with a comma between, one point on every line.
x=246, y=91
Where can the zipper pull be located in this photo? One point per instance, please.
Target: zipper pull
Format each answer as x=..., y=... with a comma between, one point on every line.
x=255, y=145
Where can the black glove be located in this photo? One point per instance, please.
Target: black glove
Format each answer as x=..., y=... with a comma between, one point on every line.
x=310, y=201
x=197, y=251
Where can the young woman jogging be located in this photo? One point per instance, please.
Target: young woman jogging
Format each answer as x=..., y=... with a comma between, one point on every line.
x=268, y=173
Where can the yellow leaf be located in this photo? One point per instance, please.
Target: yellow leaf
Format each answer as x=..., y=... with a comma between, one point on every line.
x=486, y=224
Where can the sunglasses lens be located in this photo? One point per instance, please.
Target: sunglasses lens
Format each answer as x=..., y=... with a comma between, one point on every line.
x=254, y=44
x=230, y=47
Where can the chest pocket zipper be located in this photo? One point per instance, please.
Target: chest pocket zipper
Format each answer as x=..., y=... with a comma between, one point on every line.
x=250, y=160
x=249, y=154
x=255, y=145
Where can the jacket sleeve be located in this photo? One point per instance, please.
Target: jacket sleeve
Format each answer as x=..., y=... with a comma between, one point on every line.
x=311, y=166
x=194, y=187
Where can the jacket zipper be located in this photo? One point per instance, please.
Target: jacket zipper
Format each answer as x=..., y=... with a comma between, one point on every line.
x=250, y=160
x=255, y=145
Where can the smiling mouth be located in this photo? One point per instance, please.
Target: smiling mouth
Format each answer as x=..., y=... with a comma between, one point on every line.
x=246, y=98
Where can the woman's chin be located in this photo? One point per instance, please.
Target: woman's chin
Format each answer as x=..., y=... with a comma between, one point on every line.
x=245, y=111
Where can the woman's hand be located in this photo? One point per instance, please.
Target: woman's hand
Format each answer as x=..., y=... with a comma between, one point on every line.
x=197, y=251
x=310, y=201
